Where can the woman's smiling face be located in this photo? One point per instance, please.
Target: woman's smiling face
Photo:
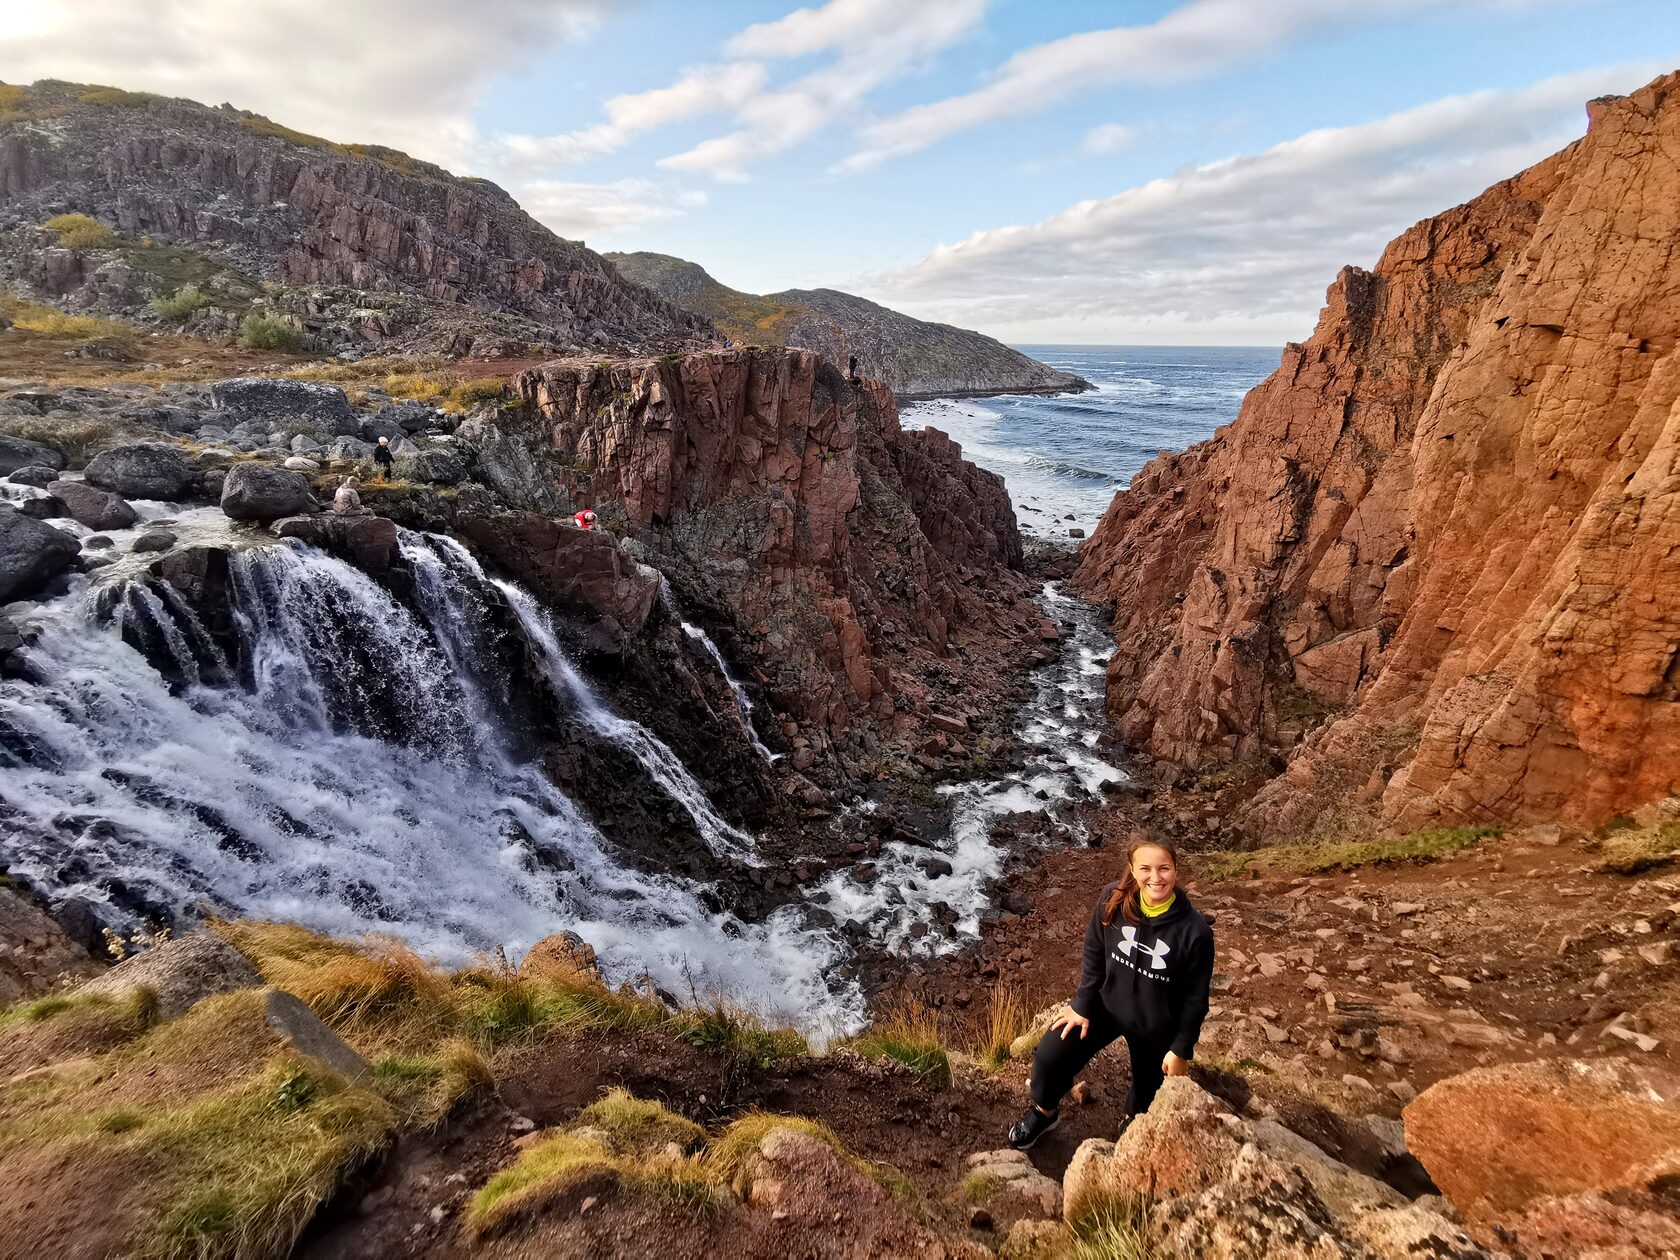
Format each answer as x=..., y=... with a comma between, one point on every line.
x=1155, y=872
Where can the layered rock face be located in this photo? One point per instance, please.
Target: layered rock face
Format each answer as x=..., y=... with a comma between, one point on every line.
x=850, y=558
x=305, y=212
x=912, y=356
x=1449, y=522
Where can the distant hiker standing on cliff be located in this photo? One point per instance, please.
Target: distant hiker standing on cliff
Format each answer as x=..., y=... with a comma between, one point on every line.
x=382, y=459
x=1148, y=963
x=851, y=367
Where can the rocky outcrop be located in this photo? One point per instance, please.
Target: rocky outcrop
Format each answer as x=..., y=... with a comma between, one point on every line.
x=93, y=507
x=914, y=357
x=373, y=246
x=1448, y=523
x=1208, y=1183
x=17, y=454
x=582, y=572
x=848, y=556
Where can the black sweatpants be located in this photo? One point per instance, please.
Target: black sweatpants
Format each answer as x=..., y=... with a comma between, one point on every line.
x=1056, y=1062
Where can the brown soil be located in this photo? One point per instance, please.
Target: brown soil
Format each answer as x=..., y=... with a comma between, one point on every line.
x=885, y=1113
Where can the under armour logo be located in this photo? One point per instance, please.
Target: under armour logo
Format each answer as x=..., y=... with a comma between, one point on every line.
x=1157, y=953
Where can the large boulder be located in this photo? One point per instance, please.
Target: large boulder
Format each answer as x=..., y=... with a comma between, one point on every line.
x=260, y=492
x=1218, y=1186
x=145, y=470
x=368, y=542
x=267, y=400
x=93, y=507
x=564, y=957
x=1499, y=1139
x=17, y=453
x=31, y=553
x=179, y=972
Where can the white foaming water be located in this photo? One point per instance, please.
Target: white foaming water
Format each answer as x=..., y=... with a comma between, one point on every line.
x=656, y=757
x=743, y=702
x=1061, y=724
x=345, y=788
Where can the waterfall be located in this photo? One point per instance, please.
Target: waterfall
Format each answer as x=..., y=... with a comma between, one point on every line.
x=743, y=702
x=354, y=781
x=665, y=767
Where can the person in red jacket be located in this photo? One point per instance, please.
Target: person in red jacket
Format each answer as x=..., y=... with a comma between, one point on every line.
x=584, y=519
x=1146, y=973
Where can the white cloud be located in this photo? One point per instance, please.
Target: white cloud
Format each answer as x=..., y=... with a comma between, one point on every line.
x=404, y=73
x=1109, y=138
x=585, y=212
x=699, y=91
x=1244, y=247
x=1193, y=41
x=875, y=41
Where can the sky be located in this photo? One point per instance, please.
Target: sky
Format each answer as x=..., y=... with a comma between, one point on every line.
x=1115, y=172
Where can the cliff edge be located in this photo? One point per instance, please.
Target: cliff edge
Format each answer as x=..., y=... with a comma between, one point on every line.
x=1434, y=561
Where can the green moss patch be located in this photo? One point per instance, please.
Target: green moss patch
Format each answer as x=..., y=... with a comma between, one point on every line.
x=1335, y=855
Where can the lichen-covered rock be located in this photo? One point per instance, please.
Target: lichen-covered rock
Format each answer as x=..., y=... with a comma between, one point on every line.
x=1448, y=522
x=270, y=400
x=1007, y=1185
x=1214, y=1185
x=31, y=553
x=261, y=492
x=565, y=956
x=180, y=972
x=144, y=470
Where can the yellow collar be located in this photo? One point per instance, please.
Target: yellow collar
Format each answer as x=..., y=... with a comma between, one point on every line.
x=1155, y=912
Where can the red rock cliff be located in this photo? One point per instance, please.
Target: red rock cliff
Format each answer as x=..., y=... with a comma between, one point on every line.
x=864, y=568
x=1443, y=539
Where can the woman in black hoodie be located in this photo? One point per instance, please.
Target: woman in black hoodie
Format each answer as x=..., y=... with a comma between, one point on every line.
x=1147, y=967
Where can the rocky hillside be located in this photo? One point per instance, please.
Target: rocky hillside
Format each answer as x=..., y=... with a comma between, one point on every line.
x=915, y=358
x=356, y=245
x=1434, y=561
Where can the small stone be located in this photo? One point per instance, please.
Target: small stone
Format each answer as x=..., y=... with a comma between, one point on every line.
x=1403, y=908
x=1457, y=983
x=521, y=1124
x=1402, y=1089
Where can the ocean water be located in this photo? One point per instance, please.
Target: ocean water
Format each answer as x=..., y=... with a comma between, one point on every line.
x=1064, y=457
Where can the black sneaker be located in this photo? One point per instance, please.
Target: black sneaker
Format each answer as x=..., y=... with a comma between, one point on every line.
x=1032, y=1125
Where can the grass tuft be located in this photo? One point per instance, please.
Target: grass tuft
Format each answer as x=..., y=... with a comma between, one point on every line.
x=1633, y=852
x=729, y=1152
x=1333, y=855
x=639, y=1126
x=911, y=1036
x=182, y=304
x=550, y=1167
x=1007, y=1018
x=1112, y=1229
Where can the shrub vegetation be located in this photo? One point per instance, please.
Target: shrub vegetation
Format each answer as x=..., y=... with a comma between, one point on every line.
x=80, y=231
x=182, y=304
x=271, y=332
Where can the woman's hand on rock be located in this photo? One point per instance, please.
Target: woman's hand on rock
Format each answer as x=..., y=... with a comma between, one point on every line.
x=1172, y=1065
x=1067, y=1019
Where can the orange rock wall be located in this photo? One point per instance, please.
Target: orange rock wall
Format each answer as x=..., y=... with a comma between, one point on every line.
x=1443, y=539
